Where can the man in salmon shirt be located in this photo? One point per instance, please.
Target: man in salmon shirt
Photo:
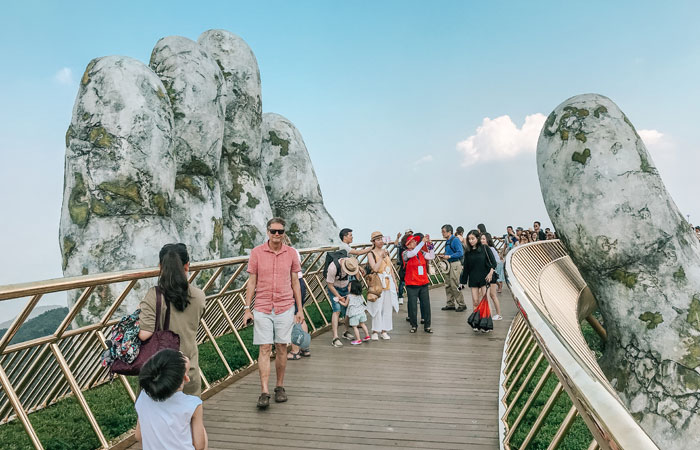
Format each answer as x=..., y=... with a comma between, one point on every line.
x=273, y=278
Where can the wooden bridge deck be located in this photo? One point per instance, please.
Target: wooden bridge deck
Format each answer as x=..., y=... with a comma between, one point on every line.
x=436, y=391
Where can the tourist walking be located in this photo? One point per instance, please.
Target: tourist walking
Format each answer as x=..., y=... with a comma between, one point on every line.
x=381, y=309
x=273, y=279
x=337, y=281
x=185, y=304
x=417, y=281
x=478, y=267
x=494, y=257
x=453, y=255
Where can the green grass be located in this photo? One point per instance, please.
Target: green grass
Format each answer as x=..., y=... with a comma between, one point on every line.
x=63, y=426
x=578, y=437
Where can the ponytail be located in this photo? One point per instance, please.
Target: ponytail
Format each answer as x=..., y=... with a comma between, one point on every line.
x=172, y=281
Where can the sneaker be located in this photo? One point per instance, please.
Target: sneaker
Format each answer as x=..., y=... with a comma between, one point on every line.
x=497, y=317
x=263, y=401
x=336, y=343
x=280, y=395
x=385, y=336
x=447, y=308
x=422, y=321
x=366, y=338
x=375, y=337
x=460, y=308
x=356, y=342
x=400, y=300
x=475, y=330
x=349, y=336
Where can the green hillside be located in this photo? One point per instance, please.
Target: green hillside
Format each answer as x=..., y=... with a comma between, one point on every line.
x=42, y=325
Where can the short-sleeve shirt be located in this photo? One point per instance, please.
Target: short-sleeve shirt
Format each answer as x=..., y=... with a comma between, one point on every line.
x=346, y=247
x=274, y=284
x=332, y=277
x=356, y=305
x=167, y=424
x=184, y=323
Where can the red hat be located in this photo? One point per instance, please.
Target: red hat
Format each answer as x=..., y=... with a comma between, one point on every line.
x=414, y=238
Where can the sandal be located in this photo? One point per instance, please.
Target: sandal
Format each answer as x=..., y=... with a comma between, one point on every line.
x=305, y=353
x=413, y=330
x=293, y=356
x=429, y=330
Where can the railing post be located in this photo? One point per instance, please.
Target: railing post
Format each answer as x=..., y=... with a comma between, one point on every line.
x=19, y=409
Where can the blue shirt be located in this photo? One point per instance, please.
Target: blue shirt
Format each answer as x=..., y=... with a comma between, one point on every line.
x=453, y=249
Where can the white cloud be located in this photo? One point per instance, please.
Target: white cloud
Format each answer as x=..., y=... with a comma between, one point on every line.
x=423, y=160
x=64, y=76
x=651, y=138
x=500, y=139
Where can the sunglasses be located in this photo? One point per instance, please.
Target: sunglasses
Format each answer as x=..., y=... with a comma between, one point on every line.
x=280, y=232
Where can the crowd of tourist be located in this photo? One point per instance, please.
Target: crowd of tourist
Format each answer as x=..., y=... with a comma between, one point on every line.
x=170, y=380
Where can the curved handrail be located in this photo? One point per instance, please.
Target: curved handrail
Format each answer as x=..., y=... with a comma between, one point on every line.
x=546, y=286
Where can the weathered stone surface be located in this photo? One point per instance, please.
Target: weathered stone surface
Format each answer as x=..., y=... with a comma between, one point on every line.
x=245, y=205
x=638, y=256
x=193, y=83
x=291, y=184
x=119, y=174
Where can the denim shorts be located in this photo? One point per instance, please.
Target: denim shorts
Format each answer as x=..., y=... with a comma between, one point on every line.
x=335, y=304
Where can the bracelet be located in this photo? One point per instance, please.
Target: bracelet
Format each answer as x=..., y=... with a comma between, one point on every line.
x=246, y=307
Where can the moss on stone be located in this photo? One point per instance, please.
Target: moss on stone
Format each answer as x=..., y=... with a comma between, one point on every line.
x=160, y=94
x=581, y=157
x=599, y=111
x=549, y=123
x=69, y=134
x=645, y=166
x=226, y=74
x=581, y=136
x=235, y=193
x=84, y=271
x=293, y=232
x=653, y=319
x=217, y=239
x=68, y=247
x=629, y=279
x=211, y=182
x=99, y=208
x=126, y=188
x=78, y=206
x=99, y=137
x=694, y=312
x=252, y=201
x=246, y=238
x=196, y=167
x=578, y=112
x=186, y=182
x=692, y=356
x=86, y=76
x=679, y=275
x=283, y=144
x=564, y=135
x=162, y=205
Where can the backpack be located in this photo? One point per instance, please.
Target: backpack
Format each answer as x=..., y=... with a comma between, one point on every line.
x=123, y=341
x=334, y=257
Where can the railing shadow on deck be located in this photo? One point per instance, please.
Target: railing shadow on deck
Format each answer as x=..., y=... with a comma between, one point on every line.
x=66, y=364
x=545, y=343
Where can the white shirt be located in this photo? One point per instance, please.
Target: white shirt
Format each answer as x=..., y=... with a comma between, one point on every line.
x=346, y=247
x=167, y=425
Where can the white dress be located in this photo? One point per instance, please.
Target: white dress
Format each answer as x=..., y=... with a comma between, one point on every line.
x=381, y=309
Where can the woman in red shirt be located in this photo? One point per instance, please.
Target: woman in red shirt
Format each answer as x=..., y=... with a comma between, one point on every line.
x=417, y=281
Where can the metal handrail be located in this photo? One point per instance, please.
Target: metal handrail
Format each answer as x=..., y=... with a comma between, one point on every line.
x=38, y=373
x=546, y=287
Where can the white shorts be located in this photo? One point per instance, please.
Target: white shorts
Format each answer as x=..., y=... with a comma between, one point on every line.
x=273, y=328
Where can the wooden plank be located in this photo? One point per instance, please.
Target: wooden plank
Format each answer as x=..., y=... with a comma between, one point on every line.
x=413, y=391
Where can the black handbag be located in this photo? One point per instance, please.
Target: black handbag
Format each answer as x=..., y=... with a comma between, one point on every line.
x=489, y=255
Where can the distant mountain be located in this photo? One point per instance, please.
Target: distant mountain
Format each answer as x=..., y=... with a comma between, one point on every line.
x=35, y=313
x=42, y=325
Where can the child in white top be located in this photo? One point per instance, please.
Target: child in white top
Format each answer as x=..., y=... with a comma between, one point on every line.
x=355, y=303
x=167, y=417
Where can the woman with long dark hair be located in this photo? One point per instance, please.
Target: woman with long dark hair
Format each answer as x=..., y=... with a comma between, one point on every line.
x=493, y=295
x=186, y=303
x=478, y=267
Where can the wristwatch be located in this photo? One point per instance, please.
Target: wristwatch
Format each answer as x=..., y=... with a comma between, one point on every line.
x=246, y=307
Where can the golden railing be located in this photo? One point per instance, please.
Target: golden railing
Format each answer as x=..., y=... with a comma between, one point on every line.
x=43, y=371
x=545, y=339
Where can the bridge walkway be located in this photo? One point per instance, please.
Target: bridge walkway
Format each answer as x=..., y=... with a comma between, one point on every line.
x=436, y=391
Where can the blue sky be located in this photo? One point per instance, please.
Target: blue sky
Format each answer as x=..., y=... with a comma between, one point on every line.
x=383, y=93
